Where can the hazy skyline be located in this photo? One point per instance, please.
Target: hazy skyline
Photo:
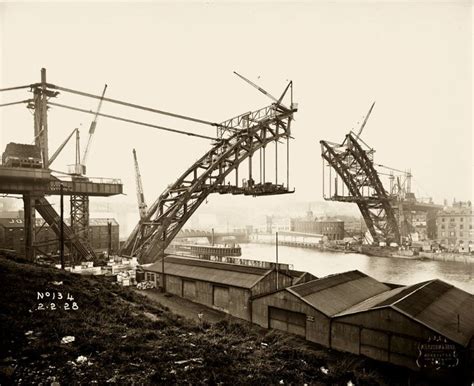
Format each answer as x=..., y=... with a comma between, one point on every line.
x=413, y=59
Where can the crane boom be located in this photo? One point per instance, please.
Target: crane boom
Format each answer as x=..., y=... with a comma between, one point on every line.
x=92, y=127
x=277, y=101
x=365, y=121
x=60, y=148
x=142, y=207
x=393, y=169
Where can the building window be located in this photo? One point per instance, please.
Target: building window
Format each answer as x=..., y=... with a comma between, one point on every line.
x=461, y=234
x=442, y=226
x=461, y=226
x=443, y=234
x=451, y=233
x=442, y=219
x=461, y=219
x=451, y=219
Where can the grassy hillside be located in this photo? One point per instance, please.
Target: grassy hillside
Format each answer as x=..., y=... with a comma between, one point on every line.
x=126, y=340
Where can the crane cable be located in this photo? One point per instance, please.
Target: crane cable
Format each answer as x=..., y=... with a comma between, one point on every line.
x=131, y=121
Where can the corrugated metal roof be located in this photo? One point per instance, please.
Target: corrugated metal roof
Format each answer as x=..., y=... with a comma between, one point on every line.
x=212, y=271
x=335, y=293
x=442, y=307
x=438, y=305
x=372, y=302
x=295, y=273
x=422, y=297
x=401, y=294
x=326, y=282
x=301, y=277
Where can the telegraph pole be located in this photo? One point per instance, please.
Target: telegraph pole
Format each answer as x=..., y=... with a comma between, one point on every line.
x=41, y=118
x=277, y=267
x=61, y=229
x=163, y=283
x=109, y=233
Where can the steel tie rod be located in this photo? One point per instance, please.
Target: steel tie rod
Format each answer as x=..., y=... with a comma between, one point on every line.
x=131, y=121
x=16, y=88
x=15, y=103
x=133, y=105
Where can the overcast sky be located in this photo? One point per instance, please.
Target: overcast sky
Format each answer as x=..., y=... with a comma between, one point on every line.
x=413, y=58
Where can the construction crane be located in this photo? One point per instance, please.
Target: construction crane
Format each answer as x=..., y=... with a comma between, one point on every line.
x=142, y=207
x=237, y=140
x=80, y=202
x=400, y=189
x=61, y=147
x=35, y=180
x=277, y=101
x=365, y=121
x=82, y=166
x=387, y=213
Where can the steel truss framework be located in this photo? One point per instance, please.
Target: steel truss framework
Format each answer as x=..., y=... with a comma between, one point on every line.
x=353, y=162
x=80, y=220
x=239, y=139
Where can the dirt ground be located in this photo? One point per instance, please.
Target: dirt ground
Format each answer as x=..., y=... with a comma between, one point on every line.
x=184, y=307
x=124, y=336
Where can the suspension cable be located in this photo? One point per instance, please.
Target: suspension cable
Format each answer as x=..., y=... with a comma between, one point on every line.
x=16, y=103
x=131, y=121
x=133, y=105
x=17, y=87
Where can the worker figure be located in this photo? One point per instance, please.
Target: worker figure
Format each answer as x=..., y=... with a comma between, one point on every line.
x=200, y=318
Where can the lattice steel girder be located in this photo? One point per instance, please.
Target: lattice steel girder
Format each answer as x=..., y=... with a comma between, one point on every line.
x=179, y=201
x=354, y=166
x=80, y=220
x=336, y=159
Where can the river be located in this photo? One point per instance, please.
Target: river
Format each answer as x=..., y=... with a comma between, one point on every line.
x=391, y=270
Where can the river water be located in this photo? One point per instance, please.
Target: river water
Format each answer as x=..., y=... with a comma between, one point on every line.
x=391, y=270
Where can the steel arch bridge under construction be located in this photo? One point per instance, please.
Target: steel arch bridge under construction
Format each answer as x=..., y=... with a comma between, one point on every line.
x=237, y=140
x=353, y=162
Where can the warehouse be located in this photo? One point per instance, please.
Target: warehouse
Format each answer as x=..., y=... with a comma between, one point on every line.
x=99, y=234
x=227, y=287
x=12, y=235
x=306, y=309
x=300, y=277
x=391, y=326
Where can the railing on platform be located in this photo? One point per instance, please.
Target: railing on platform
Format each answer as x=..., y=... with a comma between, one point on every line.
x=243, y=121
x=95, y=180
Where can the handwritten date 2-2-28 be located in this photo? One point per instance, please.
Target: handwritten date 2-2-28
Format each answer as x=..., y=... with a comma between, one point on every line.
x=55, y=300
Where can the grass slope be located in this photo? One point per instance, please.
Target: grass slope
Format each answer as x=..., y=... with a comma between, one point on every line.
x=128, y=340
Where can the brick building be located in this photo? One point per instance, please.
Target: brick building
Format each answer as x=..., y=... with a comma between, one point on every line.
x=454, y=227
x=12, y=235
x=332, y=229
